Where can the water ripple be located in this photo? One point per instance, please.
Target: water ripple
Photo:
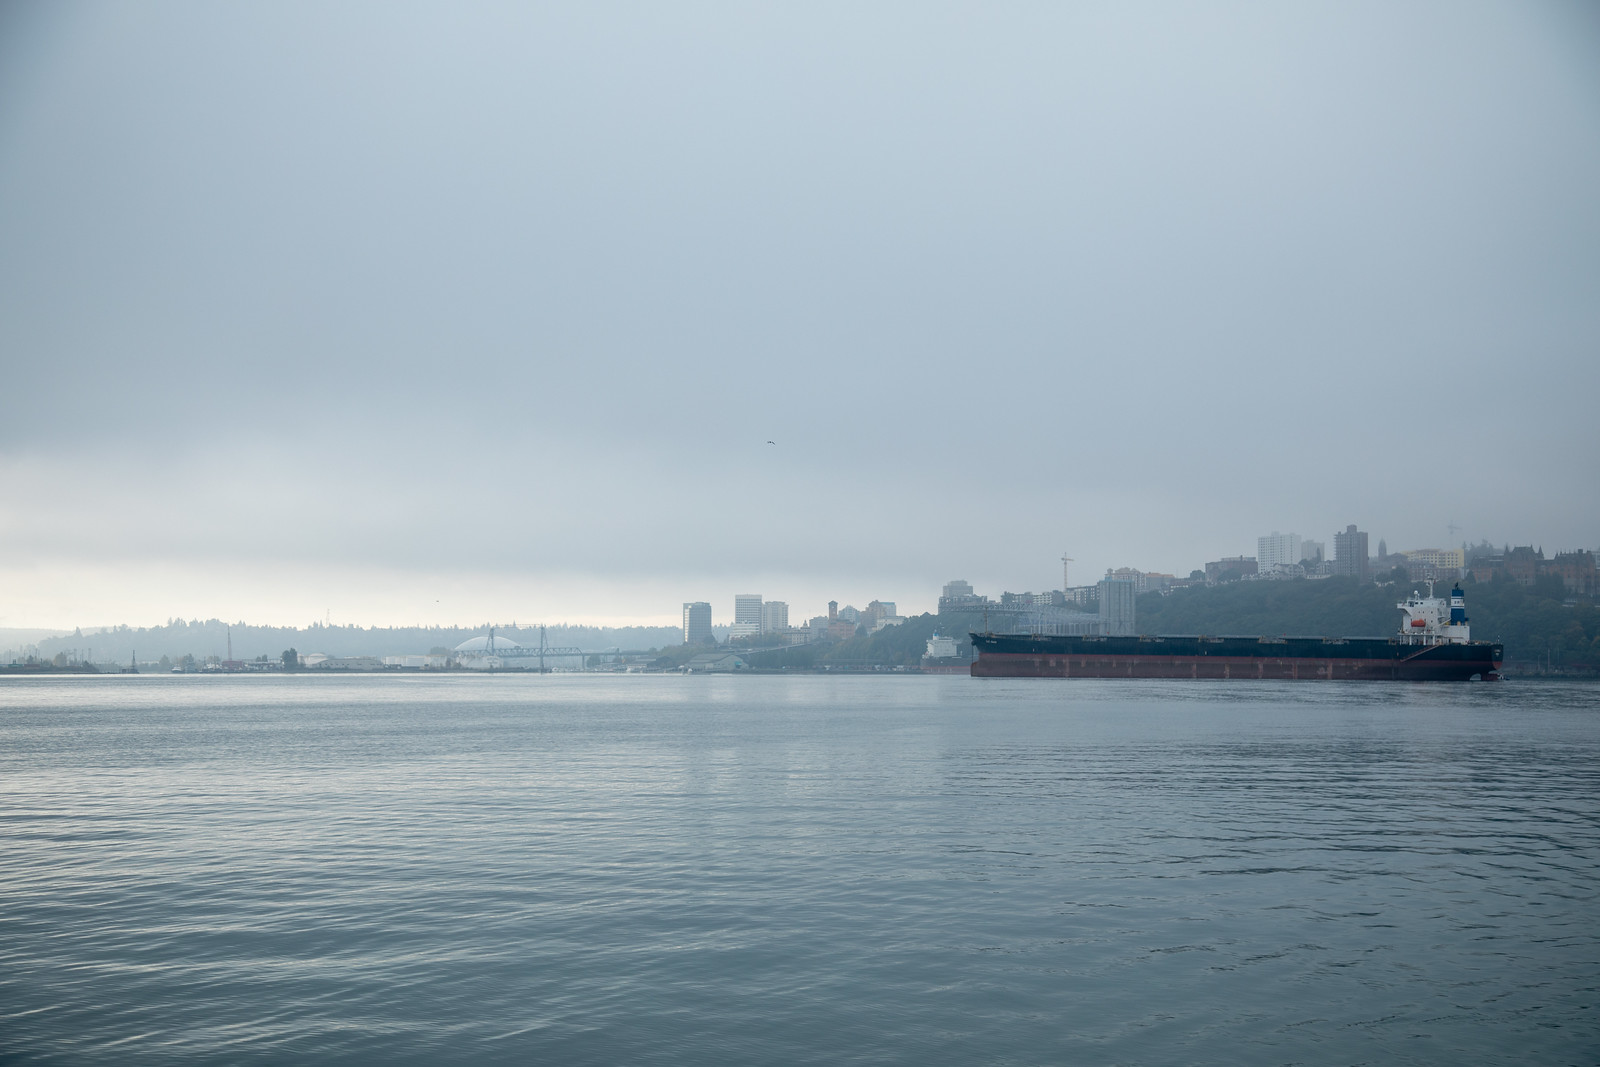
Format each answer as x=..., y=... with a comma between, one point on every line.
x=796, y=870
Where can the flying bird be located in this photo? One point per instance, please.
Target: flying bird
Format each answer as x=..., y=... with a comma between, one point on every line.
x=772, y=442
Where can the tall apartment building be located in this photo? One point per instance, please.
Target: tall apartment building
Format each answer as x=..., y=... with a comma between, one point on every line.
x=746, y=614
x=1116, y=607
x=1311, y=551
x=774, y=616
x=1350, y=554
x=1277, y=550
x=697, y=623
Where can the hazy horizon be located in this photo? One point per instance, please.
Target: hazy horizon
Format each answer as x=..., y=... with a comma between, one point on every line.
x=408, y=316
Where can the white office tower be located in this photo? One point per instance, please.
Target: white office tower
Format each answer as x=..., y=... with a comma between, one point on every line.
x=696, y=623
x=1277, y=550
x=774, y=616
x=1116, y=607
x=746, y=615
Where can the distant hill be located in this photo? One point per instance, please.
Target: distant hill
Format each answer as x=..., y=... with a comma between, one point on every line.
x=210, y=638
x=16, y=638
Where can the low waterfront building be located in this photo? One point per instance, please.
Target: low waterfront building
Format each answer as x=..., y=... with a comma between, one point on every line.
x=715, y=663
x=431, y=662
x=348, y=663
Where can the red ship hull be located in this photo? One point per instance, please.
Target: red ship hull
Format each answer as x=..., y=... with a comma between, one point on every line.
x=1297, y=659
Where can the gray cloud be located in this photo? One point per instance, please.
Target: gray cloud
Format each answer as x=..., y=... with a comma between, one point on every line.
x=352, y=286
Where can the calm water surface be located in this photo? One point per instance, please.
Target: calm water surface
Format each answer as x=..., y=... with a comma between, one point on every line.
x=648, y=870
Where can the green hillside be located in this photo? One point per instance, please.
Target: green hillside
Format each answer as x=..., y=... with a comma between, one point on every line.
x=1534, y=623
x=1338, y=607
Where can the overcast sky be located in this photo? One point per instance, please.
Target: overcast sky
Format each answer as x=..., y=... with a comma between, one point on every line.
x=398, y=313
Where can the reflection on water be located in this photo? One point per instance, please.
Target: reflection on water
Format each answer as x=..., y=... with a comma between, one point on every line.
x=584, y=869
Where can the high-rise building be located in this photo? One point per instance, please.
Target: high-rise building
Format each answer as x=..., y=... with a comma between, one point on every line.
x=774, y=616
x=1277, y=550
x=746, y=614
x=1116, y=607
x=1311, y=551
x=1350, y=554
x=697, y=623
x=958, y=596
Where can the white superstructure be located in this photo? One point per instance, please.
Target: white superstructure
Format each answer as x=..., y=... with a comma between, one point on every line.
x=1431, y=620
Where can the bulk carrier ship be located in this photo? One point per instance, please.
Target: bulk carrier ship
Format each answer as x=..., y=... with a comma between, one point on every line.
x=1434, y=645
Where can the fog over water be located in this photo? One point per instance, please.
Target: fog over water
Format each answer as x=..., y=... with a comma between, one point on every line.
x=443, y=313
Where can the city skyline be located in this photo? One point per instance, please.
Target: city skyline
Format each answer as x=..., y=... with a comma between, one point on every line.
x=797, y=608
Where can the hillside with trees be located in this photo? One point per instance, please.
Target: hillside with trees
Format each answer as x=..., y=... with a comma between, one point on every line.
x=1537, y=624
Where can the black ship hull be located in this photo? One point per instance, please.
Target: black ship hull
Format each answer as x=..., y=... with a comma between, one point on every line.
x=1288, y=658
